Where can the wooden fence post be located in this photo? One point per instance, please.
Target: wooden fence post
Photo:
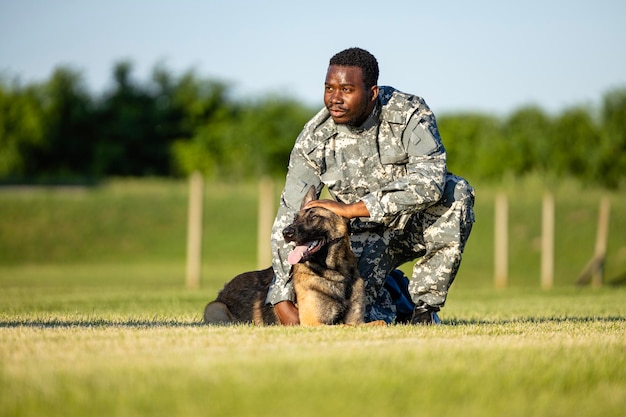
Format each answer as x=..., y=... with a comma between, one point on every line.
x=194, y=230
x=501, y=241
x=602, y=238
x=594, y=270
x=265, y=222
x=547, y=242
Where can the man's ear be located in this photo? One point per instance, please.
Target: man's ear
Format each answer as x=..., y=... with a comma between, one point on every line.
x=373, y=92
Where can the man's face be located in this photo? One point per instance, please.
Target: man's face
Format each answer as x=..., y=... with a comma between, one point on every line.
x=346, y=96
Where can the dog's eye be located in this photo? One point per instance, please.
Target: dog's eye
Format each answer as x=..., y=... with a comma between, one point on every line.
x=312, y=215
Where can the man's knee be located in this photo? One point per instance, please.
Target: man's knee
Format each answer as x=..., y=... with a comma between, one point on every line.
x=464, y=198
x=450, y=221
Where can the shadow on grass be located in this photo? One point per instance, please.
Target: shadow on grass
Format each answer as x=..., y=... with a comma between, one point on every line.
x=62, y=324
x=461, y=322
x=147, y=324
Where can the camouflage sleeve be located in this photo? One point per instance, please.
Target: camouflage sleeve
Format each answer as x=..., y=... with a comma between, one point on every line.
x=423, y=183
x=302, y=174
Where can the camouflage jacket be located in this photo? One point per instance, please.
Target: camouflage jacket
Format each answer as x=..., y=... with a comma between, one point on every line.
x=395, y=163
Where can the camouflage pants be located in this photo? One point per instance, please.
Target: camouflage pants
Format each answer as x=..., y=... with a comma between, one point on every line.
x=436, y=236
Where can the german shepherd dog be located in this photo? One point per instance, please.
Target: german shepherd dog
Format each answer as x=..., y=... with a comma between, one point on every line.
x=325, y=277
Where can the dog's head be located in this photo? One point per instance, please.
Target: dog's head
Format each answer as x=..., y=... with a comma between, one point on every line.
x=313, y=230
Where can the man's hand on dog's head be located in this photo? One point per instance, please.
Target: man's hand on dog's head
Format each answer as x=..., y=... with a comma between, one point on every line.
x=349, y=211
x=287, y=313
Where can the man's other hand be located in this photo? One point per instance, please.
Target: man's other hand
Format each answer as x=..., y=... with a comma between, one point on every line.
x=287, y=313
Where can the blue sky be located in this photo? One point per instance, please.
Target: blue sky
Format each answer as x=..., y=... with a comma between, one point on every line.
x=491, y=56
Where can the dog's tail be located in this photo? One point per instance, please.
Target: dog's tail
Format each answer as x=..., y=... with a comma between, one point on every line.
x=217, y=313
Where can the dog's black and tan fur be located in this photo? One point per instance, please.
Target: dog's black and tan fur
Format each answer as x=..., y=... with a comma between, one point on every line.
x=326, y=281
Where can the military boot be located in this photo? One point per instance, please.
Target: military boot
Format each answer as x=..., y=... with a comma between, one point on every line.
x=425, y=314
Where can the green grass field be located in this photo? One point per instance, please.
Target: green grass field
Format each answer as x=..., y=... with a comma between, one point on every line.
x=103, y=350
x=95, y=319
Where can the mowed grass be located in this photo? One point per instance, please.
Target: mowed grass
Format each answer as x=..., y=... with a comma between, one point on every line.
x=142, y=351
x=95, y=319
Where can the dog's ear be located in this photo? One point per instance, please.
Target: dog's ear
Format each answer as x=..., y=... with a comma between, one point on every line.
x=310, y=196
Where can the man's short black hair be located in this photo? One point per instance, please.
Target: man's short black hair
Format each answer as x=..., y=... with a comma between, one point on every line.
x=357, y=57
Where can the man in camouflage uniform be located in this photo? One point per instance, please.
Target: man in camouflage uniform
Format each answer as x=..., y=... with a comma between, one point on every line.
x=379, y=153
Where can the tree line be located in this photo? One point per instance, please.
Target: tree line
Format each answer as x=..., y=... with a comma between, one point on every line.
x=170, y=125
x=585, y=143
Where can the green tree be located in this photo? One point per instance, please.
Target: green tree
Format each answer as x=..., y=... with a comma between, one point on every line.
x=243, y=141
x=210, y=148
x=21, y=128
x=473, y=142
x=68, y=120
x=527, y=132
x=611, y=169
x=574, y=141
x=268, y=131
x=141, y=123
x=127, y=143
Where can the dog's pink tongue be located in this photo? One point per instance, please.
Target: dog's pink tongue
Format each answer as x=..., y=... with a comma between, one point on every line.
x=296, y=255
